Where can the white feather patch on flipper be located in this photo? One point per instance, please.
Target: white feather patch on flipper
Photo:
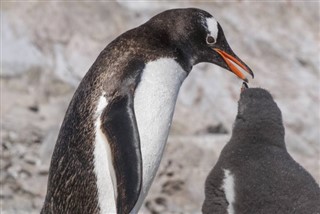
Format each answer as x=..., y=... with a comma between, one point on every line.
x=228, y=188
x=102, y=164
x=154, y=102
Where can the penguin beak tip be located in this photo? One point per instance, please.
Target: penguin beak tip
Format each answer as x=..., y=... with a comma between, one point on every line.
x=230, y=60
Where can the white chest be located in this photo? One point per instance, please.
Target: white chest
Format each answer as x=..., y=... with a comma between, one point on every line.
x=154, y=104
x=229, y=190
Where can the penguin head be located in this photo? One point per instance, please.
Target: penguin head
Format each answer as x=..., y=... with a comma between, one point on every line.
x=197, y=38
x=258, y=113
x=253, y=100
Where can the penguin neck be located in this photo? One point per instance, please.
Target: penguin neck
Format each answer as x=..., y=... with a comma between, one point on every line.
x=263, y=132
x=154, y=102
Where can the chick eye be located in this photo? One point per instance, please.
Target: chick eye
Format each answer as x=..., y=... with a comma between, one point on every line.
x=210, y=40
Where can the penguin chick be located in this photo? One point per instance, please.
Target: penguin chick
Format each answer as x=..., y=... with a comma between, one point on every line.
x=255, y=173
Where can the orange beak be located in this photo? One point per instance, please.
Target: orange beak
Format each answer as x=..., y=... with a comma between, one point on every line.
x=229, y=59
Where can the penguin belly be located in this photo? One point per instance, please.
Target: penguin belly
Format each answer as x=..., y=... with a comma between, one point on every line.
x=154, y=104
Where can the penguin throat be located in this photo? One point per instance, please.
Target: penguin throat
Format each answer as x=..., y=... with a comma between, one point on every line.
x=265, y=131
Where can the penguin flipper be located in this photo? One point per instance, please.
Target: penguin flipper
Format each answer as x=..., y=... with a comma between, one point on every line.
x=215, y=197
x=120, y=127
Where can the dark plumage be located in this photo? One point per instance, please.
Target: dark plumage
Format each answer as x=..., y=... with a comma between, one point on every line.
x=266, y=178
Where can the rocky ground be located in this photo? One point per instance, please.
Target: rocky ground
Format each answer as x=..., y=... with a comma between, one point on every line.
x=48, y=46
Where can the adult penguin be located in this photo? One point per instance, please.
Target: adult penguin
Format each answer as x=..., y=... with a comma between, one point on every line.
x=115, y=129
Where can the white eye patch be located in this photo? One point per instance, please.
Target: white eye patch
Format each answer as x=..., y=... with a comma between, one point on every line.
x=212, y=27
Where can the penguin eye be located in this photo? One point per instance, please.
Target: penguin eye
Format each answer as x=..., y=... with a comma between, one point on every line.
x=210, y=40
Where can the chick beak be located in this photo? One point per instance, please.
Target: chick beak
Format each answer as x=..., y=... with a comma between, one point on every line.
x=244, y=87
x=229, y=59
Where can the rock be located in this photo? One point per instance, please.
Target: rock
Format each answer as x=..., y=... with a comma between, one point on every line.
x=19, y=53
x=31, y=186
x=31, y=159
x=14, y=171
x=37, y=203
x=12, y=136
x=6, y=192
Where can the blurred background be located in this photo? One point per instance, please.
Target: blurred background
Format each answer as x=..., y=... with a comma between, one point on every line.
x=48, y=46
